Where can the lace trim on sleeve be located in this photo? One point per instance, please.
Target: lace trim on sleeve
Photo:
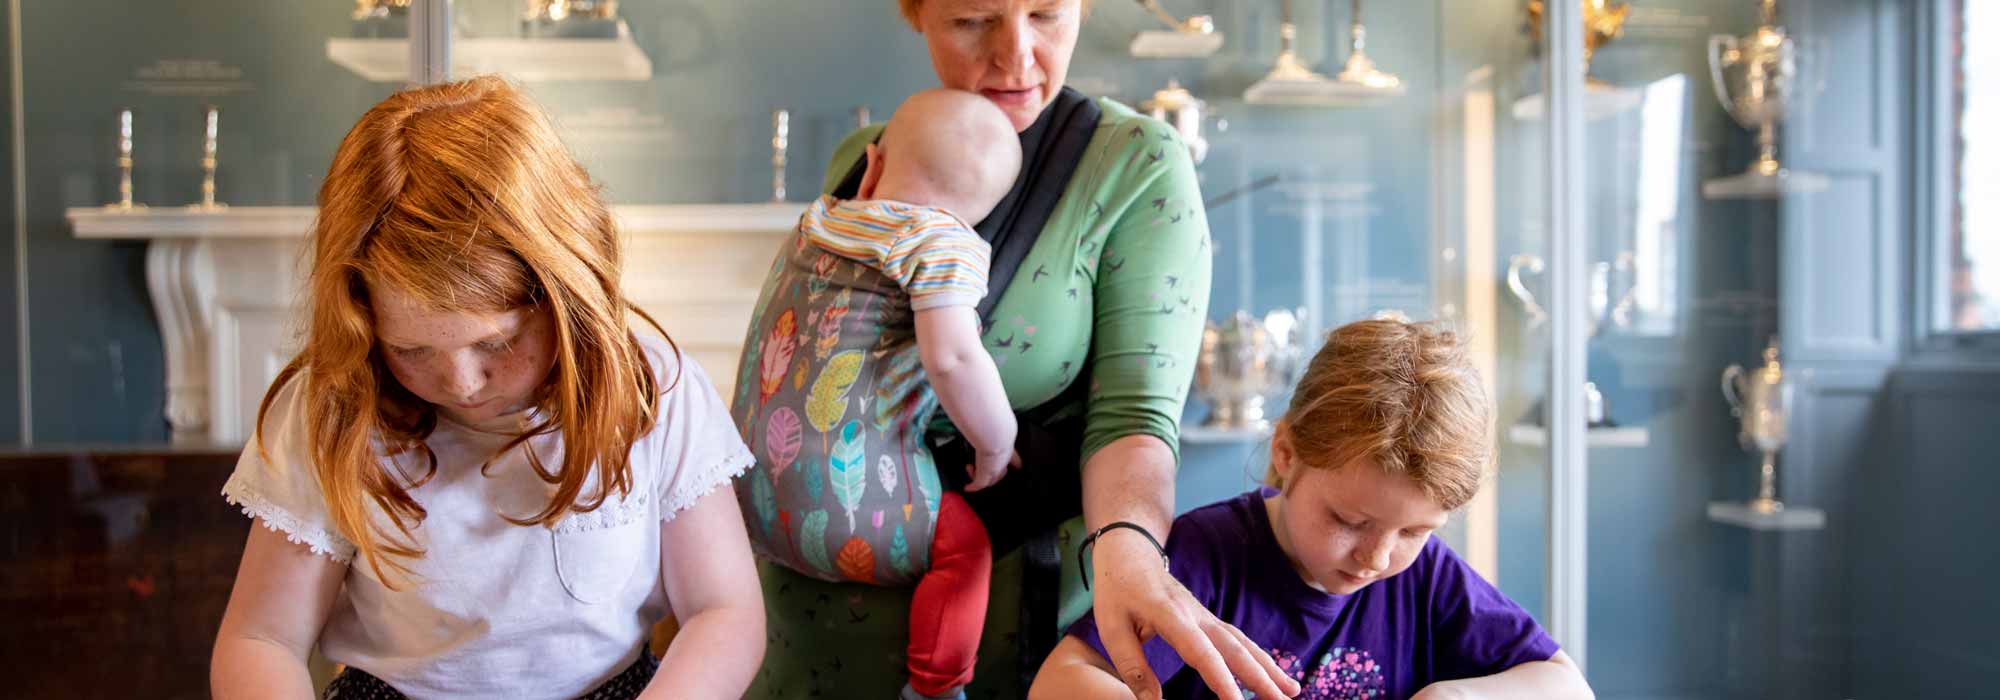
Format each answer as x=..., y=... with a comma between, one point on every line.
x=278, y=520
x=704, y=483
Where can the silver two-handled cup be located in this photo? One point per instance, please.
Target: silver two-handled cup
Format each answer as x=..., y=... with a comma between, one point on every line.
x=1761, y=399
x=1243, y=361
x=1606, y=309
x=1756, y=79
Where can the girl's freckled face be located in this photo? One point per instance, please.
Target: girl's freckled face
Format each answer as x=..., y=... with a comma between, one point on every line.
x=474, y=367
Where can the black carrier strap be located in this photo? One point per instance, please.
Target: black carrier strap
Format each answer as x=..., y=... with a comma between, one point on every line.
x=1024, y=509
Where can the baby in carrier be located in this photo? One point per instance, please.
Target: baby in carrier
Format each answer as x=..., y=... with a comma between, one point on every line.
x=867, y=329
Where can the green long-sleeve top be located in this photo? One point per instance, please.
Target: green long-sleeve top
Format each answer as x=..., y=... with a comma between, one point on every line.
x=1119, y=274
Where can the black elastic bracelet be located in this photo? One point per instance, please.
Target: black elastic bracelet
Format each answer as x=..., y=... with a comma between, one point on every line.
x=1091, y=538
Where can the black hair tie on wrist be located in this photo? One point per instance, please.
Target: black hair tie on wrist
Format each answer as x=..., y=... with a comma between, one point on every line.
x=1091, y=539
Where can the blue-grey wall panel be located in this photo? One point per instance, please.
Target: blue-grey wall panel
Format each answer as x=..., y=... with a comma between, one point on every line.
x=1922, y=561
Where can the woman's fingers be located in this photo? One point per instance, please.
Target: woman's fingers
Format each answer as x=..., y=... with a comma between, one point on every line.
x=1198, y=648
x=1288, y=686
x=1122, y=644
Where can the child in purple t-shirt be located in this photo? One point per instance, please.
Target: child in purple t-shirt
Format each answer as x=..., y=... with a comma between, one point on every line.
x=1333, y=569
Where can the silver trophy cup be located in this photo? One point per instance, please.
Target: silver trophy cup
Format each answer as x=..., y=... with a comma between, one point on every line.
x=1756, y=80
x=1243, y=361
x=1607, y=309
x=1762, y=399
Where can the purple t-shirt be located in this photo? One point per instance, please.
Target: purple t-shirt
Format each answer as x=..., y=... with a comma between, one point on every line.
x=1438, y=620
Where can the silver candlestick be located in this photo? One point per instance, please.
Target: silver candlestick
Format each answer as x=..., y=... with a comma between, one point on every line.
x=781, y=128
x=208, y=202
x=1359, y=69
x=125, y=202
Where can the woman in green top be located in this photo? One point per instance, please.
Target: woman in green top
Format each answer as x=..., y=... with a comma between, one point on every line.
x=1112, y=293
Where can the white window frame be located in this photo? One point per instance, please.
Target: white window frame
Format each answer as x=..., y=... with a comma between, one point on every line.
x=1935, y=189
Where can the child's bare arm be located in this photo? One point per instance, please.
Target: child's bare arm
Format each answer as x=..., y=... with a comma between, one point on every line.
x=711, y=582
x=1074, y=671
x=968, y=386
x=1555, y=679
x=282, y=597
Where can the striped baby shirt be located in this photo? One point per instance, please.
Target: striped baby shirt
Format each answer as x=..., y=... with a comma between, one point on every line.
x=937, y=258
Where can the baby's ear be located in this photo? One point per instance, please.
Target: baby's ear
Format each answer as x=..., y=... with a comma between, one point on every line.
x=872, y=175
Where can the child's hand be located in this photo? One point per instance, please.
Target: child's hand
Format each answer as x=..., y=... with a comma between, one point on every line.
x=1444, y=690
x=988, y=467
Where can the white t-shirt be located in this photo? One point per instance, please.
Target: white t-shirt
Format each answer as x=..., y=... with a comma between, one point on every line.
x=498, y=609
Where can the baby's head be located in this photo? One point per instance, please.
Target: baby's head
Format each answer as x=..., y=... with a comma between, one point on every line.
x=949, y=149
x=1388, y=432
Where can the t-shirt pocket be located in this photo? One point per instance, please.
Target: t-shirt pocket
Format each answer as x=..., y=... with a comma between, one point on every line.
x=596, y=552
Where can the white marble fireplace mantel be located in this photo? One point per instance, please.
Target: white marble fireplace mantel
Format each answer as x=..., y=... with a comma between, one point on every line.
x=225, y=286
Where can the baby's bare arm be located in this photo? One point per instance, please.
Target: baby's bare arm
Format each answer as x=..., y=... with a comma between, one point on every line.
x=968, y=386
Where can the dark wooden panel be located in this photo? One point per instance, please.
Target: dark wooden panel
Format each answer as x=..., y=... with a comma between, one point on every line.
x=117, y=571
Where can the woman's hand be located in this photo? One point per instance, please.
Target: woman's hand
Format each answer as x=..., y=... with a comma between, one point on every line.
x=1137, y=599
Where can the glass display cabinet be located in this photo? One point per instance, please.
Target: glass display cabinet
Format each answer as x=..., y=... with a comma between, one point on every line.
x=1661, y=223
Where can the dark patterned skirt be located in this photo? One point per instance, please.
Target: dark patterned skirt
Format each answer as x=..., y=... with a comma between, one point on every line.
x=356, y=684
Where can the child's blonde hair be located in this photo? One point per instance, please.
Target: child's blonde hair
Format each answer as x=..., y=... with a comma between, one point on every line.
x=461, y=196
x=1402, y=394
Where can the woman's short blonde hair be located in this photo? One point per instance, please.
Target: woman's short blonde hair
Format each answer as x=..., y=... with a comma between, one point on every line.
x=910, y=8
x=1402, y=394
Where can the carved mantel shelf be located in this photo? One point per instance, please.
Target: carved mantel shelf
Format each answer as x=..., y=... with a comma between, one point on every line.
x=224, y=286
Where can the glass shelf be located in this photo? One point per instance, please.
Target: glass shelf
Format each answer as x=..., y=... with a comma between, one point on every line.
x=528, y=59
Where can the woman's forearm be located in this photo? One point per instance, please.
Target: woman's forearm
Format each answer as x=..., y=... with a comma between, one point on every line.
x=1131, y=479
x=248, y=669
x=711, y=657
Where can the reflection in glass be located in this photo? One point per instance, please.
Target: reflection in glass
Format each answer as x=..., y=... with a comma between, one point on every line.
x=1972, y=245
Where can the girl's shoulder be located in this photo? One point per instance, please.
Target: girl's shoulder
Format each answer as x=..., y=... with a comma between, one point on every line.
x=693, y=447
x=274, y=481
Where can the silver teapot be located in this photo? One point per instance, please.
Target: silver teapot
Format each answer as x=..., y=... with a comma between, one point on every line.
x=1243, y=361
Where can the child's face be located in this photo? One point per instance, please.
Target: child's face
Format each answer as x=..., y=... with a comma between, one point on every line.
x=473, y=366
x=1346, y=528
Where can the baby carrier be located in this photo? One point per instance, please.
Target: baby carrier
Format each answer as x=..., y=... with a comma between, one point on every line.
x=835, y=407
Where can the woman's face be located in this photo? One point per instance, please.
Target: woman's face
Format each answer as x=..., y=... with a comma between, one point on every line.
x=1015, y=52
x=475, y=367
